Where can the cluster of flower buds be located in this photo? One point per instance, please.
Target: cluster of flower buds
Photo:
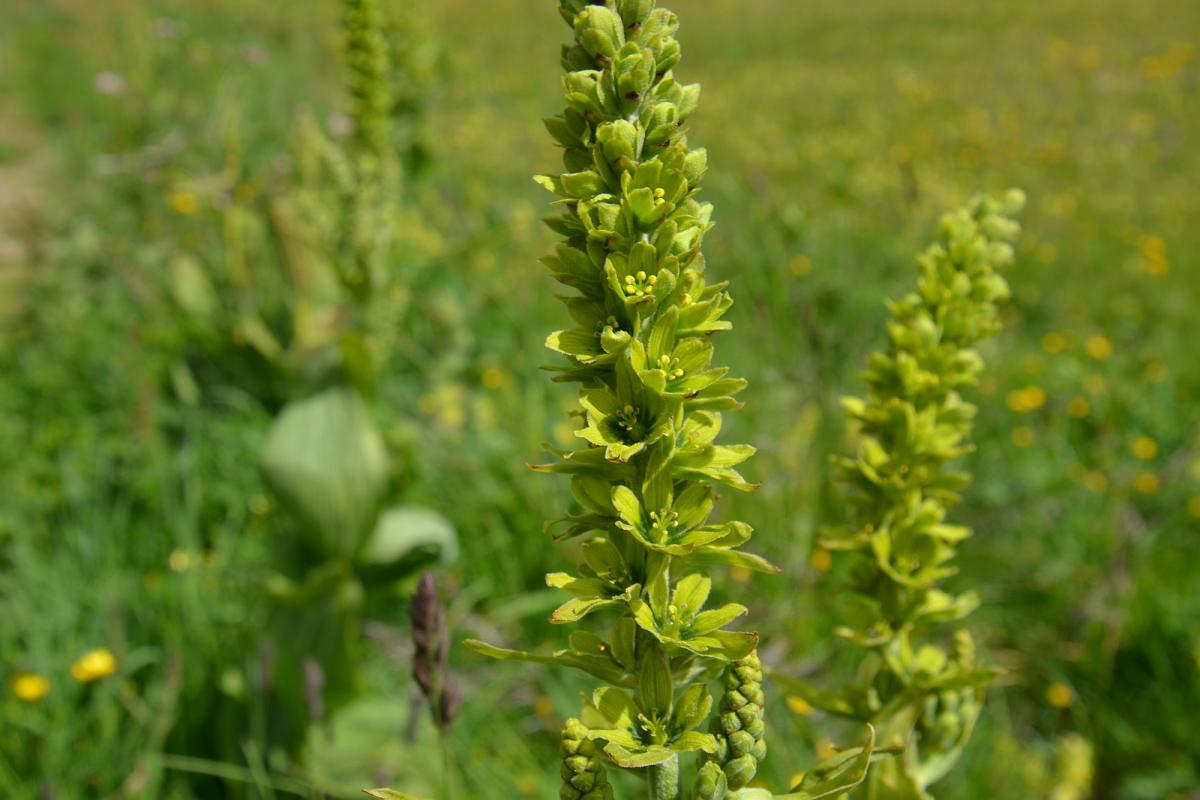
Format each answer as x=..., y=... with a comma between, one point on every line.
x=739, y=725
x=646, y=474
x=369, y=202
x=912, y=423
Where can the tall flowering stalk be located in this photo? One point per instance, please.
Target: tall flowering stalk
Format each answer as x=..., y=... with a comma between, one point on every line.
x=646, y=475
x=921, y=694
x=369, y=197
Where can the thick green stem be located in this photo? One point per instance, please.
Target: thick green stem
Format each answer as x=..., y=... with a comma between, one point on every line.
x=664, y=780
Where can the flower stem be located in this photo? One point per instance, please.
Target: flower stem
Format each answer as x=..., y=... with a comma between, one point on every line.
x=664, y=780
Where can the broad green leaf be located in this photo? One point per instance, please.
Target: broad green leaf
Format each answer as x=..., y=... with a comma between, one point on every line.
x=708, y=621
x=691, y=593
x=410, y=532
x=327, y=462
x=601, y=667
x=691, y=741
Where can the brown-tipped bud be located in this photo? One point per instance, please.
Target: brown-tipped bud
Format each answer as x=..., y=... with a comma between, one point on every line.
x=431, y=653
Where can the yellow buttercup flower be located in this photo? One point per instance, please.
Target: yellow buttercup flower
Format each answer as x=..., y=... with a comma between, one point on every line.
x=493, y=378
x=29, y=686
x=94, y=665
x=821, y=560
x=1099, y=347
x=1147, y=483
x=1144, y=448
x=1079, y=407
x=798, y=705
x=543, y=706
x=185, y=203
x=1060, y=695
x=1031, y=398
x=800, y=266
x=1154, y=256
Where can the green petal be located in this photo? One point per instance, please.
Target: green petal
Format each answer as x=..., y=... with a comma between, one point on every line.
x=631, y=759
x=692, y=741
x=691, y=592
x=708, y=621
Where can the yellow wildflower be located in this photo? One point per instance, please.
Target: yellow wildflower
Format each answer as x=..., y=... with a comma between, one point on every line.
x=798, y=705
x=1147, y=483
x=821, y=560
x=1099, y=347
x=184, y=202
x=1154, y=256
x=739, y=574
x=800, y=266
x=1031, y=398
x=1060, y=695
x=29, y=686
x=493, y=378
x=1144, y=448
x=543, y=706
x=1079, y=407
x=1054, y=342
x=94, y=665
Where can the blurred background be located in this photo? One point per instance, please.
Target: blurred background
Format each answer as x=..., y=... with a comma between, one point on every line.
x=182, y=619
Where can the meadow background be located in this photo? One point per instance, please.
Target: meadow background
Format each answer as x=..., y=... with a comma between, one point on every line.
x=143, y=147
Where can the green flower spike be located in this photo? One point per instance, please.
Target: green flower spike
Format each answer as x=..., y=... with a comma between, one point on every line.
x=646, y=475
x=911, y=424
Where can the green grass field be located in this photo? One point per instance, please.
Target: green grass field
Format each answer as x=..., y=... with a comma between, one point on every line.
x=142, y=141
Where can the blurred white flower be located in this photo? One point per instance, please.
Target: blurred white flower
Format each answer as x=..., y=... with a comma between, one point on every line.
x=108, y=83
x=340, y=125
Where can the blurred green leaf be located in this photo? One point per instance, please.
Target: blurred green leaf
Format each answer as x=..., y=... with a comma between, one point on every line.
x=328, y=463
x=403, y=531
